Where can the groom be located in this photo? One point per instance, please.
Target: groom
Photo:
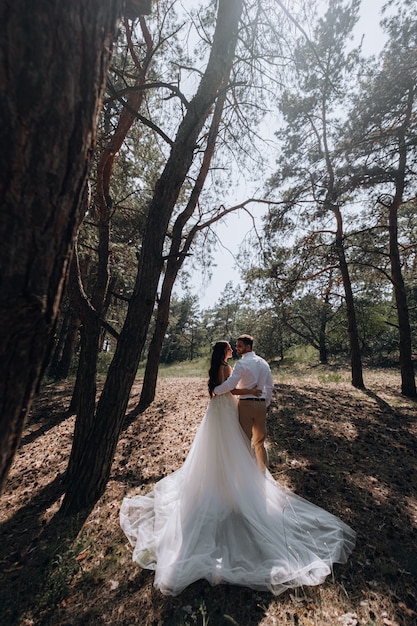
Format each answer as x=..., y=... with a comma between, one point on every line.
x=251, y=371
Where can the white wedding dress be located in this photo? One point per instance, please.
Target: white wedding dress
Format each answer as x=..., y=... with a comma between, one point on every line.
x=220, y=518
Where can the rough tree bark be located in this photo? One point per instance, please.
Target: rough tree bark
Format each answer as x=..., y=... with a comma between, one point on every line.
x=53, y=64
x=176, y=256
x=59, y=343
x=352, y=329
x=408, y=382
x=85, y=389
x=324, y=316
x=331, y=204
x=63, y=367
x=90, y=477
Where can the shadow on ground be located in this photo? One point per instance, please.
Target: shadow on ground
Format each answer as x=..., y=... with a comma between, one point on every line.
x=349, y=451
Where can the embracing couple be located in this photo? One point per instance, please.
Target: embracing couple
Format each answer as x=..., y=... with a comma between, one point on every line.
x=251, y=380
x=221, y=516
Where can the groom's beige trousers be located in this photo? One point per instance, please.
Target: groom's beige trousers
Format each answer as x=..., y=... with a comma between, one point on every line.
x=252, y=418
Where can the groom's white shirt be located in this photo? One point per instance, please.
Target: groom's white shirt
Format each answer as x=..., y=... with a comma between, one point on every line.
x=250, y=371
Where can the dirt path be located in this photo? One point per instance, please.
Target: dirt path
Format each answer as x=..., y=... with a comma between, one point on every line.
x=351, y=452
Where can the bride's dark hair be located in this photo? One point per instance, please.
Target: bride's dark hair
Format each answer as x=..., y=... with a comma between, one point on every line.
x=217, y=359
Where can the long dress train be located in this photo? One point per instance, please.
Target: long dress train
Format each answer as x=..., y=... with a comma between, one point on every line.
x=220, y=518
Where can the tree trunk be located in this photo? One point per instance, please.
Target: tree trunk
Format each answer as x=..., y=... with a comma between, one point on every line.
x=355, y=351
x=53, y=67
x=93, y=472
x=64, y=364
x=60, y=342
x=175, y=260
x=85, y=387
x=63, y=367
x=322, y=332
x=83, y=401
x=408, y=383
x=85, y=390
x=152, y=363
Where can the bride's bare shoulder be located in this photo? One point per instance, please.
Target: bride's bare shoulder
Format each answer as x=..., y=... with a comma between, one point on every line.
x=224, y=372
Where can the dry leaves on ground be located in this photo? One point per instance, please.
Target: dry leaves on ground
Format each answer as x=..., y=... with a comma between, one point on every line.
x=349, y=451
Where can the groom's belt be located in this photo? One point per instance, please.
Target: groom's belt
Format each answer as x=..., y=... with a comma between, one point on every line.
x=253, y=399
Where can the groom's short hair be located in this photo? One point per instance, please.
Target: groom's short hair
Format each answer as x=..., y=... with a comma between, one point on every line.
x=246, y=339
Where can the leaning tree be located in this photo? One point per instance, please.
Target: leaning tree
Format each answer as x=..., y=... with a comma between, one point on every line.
x=94, y=447
x=50, y=92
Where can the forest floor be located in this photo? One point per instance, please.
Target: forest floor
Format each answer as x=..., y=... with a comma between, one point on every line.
x=351, y=452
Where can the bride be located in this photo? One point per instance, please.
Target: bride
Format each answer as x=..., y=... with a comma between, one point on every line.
x=219, y=517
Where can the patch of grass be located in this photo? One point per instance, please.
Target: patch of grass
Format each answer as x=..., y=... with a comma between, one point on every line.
x=330, y=377
x=103, y=362
x=193, y=615
x=301, y=355
x=80, y=568
x=188, y=369
x=197, y=368
x=57, y=582
x=65, y=566
x=206, y=612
